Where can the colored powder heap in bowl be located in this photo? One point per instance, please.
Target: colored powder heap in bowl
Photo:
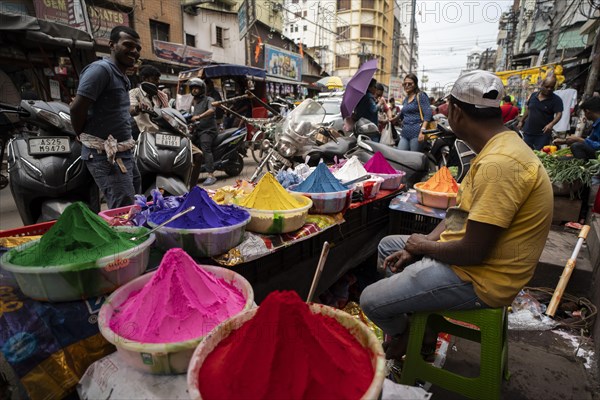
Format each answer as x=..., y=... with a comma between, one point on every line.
x=442, y=181
x=270, y=195
x=352, y=169
x=287, y=352
x=78, y=237
x=181, y=302
x=379, y=165
x=206, y=215
x=320, y=181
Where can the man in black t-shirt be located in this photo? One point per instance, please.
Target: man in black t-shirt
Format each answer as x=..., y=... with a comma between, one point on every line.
x=205, y=129
x=543, y=111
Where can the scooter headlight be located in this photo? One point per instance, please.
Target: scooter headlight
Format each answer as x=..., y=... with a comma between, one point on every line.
x=50, y=117
x=175, y=123
x=286, y=150
x=66, y=120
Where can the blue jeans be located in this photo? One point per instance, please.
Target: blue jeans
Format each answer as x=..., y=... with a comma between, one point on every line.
x=118, y=188
x=410, y=144
x=426, y=285
x=536, y=142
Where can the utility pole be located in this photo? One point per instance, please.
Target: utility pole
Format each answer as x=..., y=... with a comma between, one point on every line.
x=557, y=14
x=412, y=34
x=594, y=69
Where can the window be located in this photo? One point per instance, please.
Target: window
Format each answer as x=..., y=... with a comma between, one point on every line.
x=367, y=31
x=296, y=28
x=219, y=36
x=291, y=27
x=190, y=40
x=305, y=28
x=304, y=13
x=298, y=14
x=343, y=5
x=367, y=4
x=159, y=31
x=295, y=1
x=342, y=62
x=343, y=32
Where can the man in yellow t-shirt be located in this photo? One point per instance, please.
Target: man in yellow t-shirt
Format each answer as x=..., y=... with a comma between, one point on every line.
x=488, y=246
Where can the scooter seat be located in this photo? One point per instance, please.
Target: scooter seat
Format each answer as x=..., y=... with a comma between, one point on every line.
x=221, y=137
x=330, y=150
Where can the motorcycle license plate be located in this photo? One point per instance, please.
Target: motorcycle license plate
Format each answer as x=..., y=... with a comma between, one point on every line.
x=168, y=140
x=48, y=145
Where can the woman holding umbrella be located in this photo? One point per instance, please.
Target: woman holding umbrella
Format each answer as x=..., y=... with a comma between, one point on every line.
x=415, y=115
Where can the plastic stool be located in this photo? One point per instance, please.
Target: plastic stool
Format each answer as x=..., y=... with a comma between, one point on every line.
x=493, y=336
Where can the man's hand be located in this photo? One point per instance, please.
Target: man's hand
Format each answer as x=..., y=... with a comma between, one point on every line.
x=415, y=243
x=520, y=125
x=573, y=139
x=398, y=260
x=548, y=129
x=421, y=137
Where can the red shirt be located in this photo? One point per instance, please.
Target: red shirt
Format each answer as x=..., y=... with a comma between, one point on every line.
x=509, y=112
x=443, y=109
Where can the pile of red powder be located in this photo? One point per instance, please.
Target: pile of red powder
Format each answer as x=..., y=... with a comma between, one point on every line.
x=287, y=352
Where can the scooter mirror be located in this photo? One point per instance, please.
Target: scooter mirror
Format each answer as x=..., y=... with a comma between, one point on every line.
x=149, y=88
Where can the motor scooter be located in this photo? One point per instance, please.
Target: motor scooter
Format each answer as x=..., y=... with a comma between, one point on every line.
x=164, y=158
x=45, y=168
x=228, y=150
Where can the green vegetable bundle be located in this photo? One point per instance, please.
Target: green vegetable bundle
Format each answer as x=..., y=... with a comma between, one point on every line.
x=569, y=170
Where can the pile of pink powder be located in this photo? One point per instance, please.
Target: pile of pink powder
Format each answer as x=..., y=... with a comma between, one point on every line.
x=181, y=302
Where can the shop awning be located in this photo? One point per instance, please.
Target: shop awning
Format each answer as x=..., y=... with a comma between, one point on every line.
x=277, y=79
x=52, y=33
x=223, y=70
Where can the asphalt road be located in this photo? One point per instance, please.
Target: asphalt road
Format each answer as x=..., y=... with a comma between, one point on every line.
x=10, y=219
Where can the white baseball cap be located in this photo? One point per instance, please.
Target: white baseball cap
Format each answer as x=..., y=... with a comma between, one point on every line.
x=480, y=88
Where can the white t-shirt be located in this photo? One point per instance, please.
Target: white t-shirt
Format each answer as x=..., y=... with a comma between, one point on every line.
x=569, y=99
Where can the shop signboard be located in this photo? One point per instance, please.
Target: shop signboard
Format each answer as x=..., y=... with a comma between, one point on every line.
x=66, y=12
x=246, y=16
x=283, y=63
x=180, y=53
x=103, y=20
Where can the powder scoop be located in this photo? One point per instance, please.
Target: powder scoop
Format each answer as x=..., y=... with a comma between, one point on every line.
x=173, y=218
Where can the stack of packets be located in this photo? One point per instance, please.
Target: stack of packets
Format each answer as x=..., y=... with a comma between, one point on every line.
x=233, y=194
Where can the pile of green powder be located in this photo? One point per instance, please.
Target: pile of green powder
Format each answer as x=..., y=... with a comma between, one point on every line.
x=79, y=236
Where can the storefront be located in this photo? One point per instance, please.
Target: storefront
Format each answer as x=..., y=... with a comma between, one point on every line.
x=45, y=54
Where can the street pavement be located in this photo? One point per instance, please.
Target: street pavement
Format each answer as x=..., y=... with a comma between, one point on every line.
x=10, y=219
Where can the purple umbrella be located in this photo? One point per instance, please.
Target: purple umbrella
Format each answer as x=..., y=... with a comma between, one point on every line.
x=357, y=87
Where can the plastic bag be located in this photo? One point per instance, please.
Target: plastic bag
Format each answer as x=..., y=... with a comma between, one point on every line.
x=387, y=136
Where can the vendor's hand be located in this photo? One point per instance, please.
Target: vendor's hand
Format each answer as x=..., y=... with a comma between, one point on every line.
x=398, y=260
x=573, y=139
x=520, y=125
x=421, y=137
x=558, y=142
x=414, y=244
x=547, y=129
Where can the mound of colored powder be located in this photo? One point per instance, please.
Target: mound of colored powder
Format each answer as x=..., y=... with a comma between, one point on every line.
x=207, y=213
x=352, y=169
x=181, y=302
x=379, y=165
x=287, y=352
x=321, y=180
x=78, y=237
x=270, y=195
x=442, y=181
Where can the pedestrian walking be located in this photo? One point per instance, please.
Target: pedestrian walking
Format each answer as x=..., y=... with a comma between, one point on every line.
x=101, y=119
x=542, y=111
x=415, y=114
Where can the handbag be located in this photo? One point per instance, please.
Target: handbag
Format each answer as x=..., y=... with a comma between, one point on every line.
x=387, y=135
x=430, y=124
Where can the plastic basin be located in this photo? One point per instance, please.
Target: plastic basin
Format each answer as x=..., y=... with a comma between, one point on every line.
x=279, y=221
x=161, y=358
x=434, y=199
x=359, y=330
x=391, y=181
x=80, y=281
x=200, y=242
x=328, y=203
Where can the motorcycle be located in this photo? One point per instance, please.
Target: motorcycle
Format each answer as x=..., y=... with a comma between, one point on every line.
x=295, y=138
x=164, y=158
x=44, y=163
x=444, y=149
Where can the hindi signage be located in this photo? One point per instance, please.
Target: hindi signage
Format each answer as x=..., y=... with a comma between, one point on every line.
x=283, y=63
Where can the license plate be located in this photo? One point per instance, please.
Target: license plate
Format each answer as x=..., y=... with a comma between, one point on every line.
x=167, y=140
x=49, y=145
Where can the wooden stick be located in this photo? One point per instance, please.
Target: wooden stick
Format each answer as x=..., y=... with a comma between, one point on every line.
x=320, y=265
x=566, y=274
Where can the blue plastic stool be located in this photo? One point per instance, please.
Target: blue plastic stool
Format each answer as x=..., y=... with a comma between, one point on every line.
x=493, y=336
